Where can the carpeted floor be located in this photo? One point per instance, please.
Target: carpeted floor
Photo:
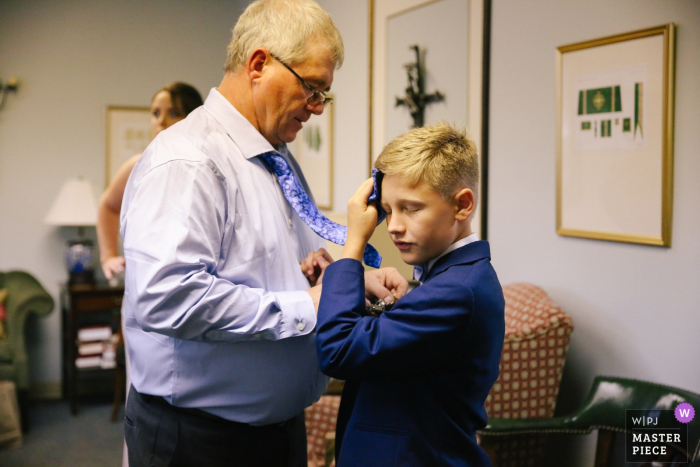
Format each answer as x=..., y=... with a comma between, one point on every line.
x=58, y=439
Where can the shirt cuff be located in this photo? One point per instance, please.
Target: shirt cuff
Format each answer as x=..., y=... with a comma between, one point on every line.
x=298, y=312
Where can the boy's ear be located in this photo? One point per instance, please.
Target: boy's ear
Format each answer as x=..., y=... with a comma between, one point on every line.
x=464, y=204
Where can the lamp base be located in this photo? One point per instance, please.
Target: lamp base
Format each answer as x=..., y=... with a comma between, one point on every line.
x=79, y=259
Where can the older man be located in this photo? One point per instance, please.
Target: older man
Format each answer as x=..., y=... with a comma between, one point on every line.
x=218, y=315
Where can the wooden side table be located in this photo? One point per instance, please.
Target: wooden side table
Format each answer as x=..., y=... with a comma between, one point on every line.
x=85, y=305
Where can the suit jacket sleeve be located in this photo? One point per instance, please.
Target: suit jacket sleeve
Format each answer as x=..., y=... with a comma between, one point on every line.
x=426, y=327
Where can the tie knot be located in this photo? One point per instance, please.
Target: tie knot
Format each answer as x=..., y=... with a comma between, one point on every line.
x=275, y=162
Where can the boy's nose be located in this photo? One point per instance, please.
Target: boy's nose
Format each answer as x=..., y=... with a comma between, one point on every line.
x=394, y=225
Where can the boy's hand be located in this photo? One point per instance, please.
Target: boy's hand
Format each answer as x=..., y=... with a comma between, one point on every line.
x=362, y=220
x=314, y=265
x=385, y=283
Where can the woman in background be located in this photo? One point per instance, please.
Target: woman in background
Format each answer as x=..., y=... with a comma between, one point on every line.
x=169, y=105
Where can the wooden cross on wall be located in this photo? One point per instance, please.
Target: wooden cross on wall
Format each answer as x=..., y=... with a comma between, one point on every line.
x=416, y=99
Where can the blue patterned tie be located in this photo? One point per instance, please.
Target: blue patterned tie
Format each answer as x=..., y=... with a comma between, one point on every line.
x=307, y=210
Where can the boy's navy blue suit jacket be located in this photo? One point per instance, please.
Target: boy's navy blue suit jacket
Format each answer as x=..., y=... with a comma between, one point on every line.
x=418, y=376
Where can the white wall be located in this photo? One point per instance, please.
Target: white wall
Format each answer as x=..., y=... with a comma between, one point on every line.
x=351, y=105
x=73, y=58
x=635, y=308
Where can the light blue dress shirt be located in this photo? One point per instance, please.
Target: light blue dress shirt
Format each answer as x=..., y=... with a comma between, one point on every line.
x=216, y=312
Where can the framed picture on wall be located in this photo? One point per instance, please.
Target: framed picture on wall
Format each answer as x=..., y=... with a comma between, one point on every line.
x=313, y=150
x=128, y=133
x=615, y=137
x=450, y=35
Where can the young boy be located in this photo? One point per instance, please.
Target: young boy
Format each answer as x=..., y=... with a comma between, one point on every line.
x=416, y=376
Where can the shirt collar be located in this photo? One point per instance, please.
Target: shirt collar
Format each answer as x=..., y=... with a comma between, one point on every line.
x=425, y=268
x=248, y=139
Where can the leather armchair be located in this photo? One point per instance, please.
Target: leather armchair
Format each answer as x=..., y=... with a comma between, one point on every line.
x=25, y=295
x=604, y=410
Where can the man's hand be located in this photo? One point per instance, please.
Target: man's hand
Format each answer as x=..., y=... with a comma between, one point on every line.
x=314, y=265
x=315, y=293
x=385, y=283
x=362, y=220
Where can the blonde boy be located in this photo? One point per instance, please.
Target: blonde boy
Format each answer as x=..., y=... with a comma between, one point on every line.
x=416, y=376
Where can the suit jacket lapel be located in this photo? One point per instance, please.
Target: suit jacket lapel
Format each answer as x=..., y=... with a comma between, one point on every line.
x=469, y=253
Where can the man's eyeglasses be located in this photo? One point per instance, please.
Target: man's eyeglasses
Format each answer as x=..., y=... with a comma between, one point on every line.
x=317, y=97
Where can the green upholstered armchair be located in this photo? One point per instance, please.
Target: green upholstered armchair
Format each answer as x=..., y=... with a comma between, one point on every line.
x=24, y=295
x=604, y=410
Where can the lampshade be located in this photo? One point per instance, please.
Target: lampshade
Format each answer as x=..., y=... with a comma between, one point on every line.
x=75, y=205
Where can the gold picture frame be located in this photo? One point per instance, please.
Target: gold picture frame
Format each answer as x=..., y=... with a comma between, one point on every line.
x=313, y=150
x=128, y=133
x=615, y=109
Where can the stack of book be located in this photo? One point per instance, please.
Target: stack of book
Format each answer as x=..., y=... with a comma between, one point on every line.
x=96, y=348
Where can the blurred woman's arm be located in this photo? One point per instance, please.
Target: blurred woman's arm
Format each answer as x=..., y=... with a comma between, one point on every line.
x=108, y=211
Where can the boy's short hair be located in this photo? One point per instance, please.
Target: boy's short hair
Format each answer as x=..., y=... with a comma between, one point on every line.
x=441, y=155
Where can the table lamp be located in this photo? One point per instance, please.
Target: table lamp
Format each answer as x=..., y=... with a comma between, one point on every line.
x=76, y=206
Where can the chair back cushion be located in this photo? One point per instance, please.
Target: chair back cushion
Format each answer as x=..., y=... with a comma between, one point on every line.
x=534, y=351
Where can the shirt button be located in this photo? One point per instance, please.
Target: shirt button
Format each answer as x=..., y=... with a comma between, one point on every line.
x=257, y=336
x=301, y=326
x=289, y=221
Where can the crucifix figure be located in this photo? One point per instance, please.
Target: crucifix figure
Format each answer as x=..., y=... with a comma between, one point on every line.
x=416, y=99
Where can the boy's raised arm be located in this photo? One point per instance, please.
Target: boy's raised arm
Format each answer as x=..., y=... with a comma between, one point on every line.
x=362, y=220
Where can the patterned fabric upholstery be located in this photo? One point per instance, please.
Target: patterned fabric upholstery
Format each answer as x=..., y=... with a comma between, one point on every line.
x=534, y=351
x=320, y=422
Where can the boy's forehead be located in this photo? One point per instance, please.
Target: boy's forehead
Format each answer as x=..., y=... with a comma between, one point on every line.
x=398, y=187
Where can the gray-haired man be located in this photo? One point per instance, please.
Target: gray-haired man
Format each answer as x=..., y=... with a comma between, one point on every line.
x=218, y=315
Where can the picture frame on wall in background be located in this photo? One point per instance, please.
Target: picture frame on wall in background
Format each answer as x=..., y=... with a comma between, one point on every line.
x=313, y=150
x=446, y=31
x=615, y=104
x=128, y=133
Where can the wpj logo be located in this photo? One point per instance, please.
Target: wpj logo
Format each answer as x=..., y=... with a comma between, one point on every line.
x=656, y=435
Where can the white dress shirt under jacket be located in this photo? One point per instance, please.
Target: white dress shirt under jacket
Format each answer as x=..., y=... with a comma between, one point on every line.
x=418, y=270
x=216, y=312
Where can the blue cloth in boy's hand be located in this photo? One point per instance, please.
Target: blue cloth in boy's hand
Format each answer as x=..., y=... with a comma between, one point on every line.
x=376, y=195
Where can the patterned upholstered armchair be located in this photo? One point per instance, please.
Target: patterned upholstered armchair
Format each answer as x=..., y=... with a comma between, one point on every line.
x=24, y=295
x=320, y=431
x=534, y=351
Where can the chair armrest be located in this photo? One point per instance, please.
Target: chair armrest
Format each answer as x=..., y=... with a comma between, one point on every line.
x=25, y=295
x=508, y=426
